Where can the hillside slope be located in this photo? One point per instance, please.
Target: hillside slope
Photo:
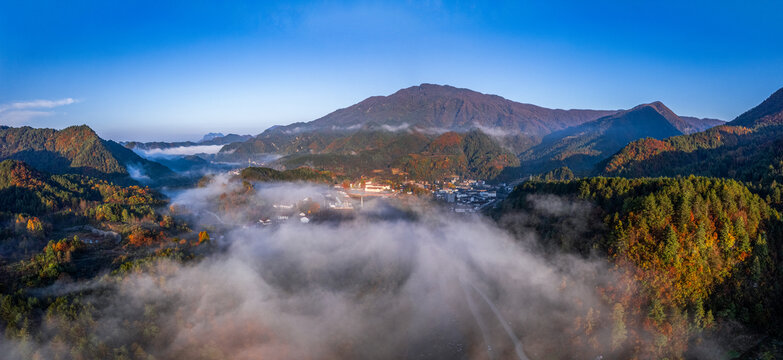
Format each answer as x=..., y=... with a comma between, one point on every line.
x=583, y=146
x=749, y=148
x=26, y=190
x=412, y=155
x=75, y=150
x=689, y=254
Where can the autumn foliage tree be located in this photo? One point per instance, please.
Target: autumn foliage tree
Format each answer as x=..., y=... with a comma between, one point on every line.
x=203, y=237
x=697, y=250
x=141, y=237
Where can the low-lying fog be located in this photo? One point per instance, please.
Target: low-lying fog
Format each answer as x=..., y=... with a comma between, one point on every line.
x=431, y=285
x=180, y=150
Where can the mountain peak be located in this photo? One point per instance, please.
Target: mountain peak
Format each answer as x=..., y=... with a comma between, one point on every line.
x=446, y=108
x=211, y=136
x=770, y=111
x=655, y=105
x=659, y=106
x=437, y=90
x=685, y=124
x=664, y=111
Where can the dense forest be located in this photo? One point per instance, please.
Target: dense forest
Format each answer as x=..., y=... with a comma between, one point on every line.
x=417, y=156
x=693, y=253
x=263, y=174
x=726, y=151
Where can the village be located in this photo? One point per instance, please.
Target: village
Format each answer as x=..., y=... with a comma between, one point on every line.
x=342, y=200
x=470, y=196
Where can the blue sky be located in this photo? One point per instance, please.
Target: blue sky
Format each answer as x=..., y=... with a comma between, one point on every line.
x=175, y=70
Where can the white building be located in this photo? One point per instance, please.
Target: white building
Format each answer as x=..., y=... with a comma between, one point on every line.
x=370, y=187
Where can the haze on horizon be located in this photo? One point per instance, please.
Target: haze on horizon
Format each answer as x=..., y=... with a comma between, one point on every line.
x=151, y=71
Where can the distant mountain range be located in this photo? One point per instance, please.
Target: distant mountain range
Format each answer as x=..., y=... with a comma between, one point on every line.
x=421, y=132
x=748, y=148
x=543, y=138
x=211, y=136
x=208, y=139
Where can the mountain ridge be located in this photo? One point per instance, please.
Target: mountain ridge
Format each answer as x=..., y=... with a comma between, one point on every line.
x=581, y=147
x=770, y=111
x=748, y=148
x=446, y=108
x=74, y=150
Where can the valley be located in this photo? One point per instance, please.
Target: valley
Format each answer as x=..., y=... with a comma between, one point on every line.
x=440, y=223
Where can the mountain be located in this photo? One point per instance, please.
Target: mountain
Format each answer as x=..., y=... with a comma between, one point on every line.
x=75, y=150
x=748, y=148
x=211, y=136
x=546, y=139
x=426, y=108
x=581, y=147
x=261, y=174
x=224, y=139
x=769, y=112
x=184, y=163
x=697, y=124
x=440, y=107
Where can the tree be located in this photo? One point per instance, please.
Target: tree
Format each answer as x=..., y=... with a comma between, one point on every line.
x=141, y=237
x=656, y=312
x=743, y=240
x=203, y=237
x=699, y=315
x=126, y=218
x=34, y=226
x=671, y=247
x=726, y=239
x=619, y=332
x=167, y=222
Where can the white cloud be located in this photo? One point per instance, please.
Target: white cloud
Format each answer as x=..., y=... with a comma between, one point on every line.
x=21, y=112
x=492, y=131
x=392, y=128
x=18, y=117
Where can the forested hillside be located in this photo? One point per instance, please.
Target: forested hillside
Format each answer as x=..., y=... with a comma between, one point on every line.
x=262, y=174
x=74, y=150
x=50, y=203
x=416, y=155
x=694, y=254
x=57, y=230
